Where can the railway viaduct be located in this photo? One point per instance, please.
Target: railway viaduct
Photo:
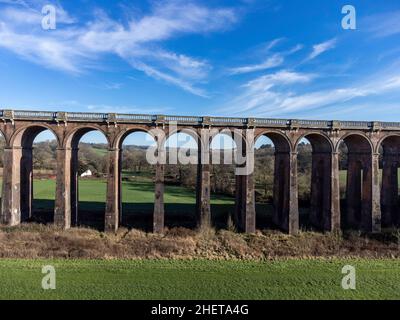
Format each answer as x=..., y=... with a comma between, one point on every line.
x=370, y=204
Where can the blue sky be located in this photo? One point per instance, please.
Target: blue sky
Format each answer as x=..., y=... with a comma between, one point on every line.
x=277, y=59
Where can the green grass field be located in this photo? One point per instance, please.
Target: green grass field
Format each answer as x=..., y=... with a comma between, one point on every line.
x=201, y=279
x=140, y=191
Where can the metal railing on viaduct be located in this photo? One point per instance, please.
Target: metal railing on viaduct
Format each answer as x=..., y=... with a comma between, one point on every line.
x=371, y=201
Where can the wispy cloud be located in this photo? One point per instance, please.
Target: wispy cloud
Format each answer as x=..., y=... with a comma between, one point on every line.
x=15, y=2
x=275, y=94
x=275, y=60
x=271, y=44
x=272, y=62
x=320, y=48
x=383, y=24
x=263, y=92
x=152, y=72
x=113, y=86
x=138, y=41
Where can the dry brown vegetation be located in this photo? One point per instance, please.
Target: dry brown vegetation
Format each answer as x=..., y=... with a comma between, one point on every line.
x=41, y=241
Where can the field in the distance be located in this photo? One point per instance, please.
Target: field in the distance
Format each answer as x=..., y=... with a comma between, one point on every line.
x=140, y=190
x=199, y=279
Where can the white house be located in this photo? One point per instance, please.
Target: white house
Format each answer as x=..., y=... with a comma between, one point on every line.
x=87, y=173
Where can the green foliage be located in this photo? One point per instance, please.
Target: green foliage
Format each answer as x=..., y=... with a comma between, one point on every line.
x=91, y=159
x=44, y=155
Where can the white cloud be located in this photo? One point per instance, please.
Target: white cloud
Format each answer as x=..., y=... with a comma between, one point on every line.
x=148, y=70
x=296, y=48
x=275, y=59
x=273, y=94
x=31, y=13
x=321, y=48
x=271, y=44
x=284, y=77
x=15, y=2
x=113, y=86
x=383, y=24
x=184, y=66
x=272, y=62
x=138, y=41
x=264, y=90
x=47, y=51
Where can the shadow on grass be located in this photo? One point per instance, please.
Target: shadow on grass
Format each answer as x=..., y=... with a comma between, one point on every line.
x=140, y=215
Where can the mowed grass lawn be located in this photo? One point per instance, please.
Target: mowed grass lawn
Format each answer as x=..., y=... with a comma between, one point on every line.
x=139, y=191
x=199, y=279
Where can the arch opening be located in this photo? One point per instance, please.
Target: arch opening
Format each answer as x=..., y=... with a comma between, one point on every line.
x=314, y=161
x=44, y=172
x=136, y=181
x=272, y=173
x=264, y=166
x=2, y=146
x=37, y=172
x=89, y=167
x=223, y=180
x=181, y=180
x=355, y=165
x=389, y=150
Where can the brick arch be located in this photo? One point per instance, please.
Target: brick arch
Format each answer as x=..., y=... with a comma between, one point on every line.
x=24, y=136
x=362, y=187
x=120, y=138
x=356, y=141
x=2, y=134
x=191, y=132
x=318, y=140
x=388, y=139
x=73, y=137
x=226, y=132
x=21, y=155
x=283, y=217
x=70, y=144
x=281, y=142
x=390, y=186
x=321, y=214
x=158, y=208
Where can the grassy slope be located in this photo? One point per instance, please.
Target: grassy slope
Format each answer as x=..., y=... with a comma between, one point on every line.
x=202, y=279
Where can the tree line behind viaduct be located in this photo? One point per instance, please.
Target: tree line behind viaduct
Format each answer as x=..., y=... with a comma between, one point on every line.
x=370, y=204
